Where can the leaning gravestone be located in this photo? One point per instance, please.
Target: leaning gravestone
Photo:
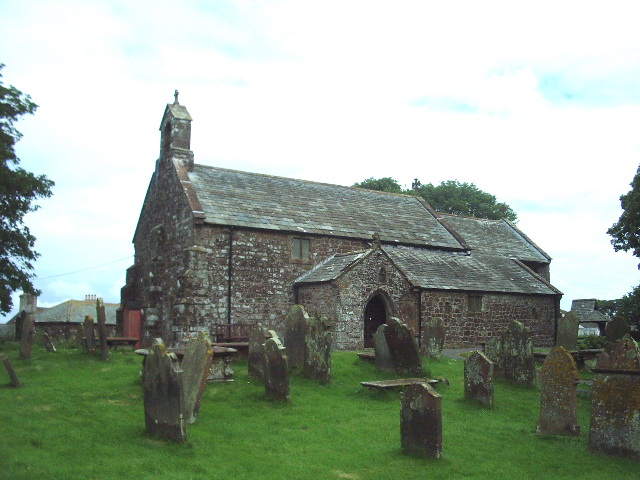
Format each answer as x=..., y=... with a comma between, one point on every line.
x=382, y=356
x=15, y=382
x=567, y=336
x=434, y=336
x=517, y=351
x=295, y=331
x=48, y=344
x=102, y=329
x=616, y=329
x=478, y=379
x=317, y=352
x=89, y=333
x=615, y=409
x=276, y=378
x=28, y=335
x=257, y=337
x=403, y=348
x=493, y=351
x=558, y=394
x=163, y=395
x=421, y=421
x=195, y=365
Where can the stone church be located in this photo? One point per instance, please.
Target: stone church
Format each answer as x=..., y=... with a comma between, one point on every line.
x=220, y=247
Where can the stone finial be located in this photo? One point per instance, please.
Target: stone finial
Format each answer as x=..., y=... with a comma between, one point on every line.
x=376, y=240
x=175, y=97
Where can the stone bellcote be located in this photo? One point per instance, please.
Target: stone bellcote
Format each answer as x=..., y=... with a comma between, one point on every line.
x=175, y=133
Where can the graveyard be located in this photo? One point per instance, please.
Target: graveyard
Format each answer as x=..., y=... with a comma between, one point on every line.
x=76, y=416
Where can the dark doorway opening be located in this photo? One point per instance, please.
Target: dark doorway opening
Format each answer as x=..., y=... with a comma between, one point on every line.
x=375, y=314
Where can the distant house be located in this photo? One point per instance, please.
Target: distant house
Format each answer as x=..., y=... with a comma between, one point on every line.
x=592, y=322
x=218, y=247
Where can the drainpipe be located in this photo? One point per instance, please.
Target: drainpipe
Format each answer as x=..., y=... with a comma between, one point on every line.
x=420, y=318
x=229, y=274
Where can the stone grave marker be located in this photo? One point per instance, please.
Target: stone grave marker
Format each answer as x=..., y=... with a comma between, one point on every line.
x=102, y=329
x=567, y=336
x=403, y=348
x=421, y=421
x=15, y=382
x=478, y=379
x=163, y=395
x=276, y=378
x=195, y=365
x=28, y=335
x=615, y=405
x=382, y=358
x=517, y=353
x=603, y=360
x=19, y=321
x=434, y=336
x=493, y=351
x=616, y=329
x=88, y=330
x=295, y=331
x=317, y=353
x=48, y=344
x=558, y=394
x=257, y=337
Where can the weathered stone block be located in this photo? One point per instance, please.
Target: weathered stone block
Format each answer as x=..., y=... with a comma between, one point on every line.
x=421, y=421
x=493, y=351
x=89, y=333
x=478, y=379
x=102, y=329
x=15, y=382
x=296, y=325
x=276, y=370
x=403, y=348
x=48, y=344
x=434, y=333
x=568, y=331
x=383, y=359
x=317, y=353
x=195, y=365
x=616, y=329
x=258, y=336
x=517, y=351
x=28, y=335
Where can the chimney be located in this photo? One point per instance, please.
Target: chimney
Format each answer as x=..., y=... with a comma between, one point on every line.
x=175, y=133
x=28, y=303
x=90, y=298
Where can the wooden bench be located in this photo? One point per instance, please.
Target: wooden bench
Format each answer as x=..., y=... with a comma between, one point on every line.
x=231, y=332
x=115, y=342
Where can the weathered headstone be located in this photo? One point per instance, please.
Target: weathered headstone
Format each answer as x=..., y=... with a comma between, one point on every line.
x=616, y=329
x=295, y=331
x=603, y=360
x=48, y=344
x=567, y=336
x=19, y=321
x=478, y=379
x=102, y=329
x=28, y=335
x=434, y=336
x=163, y=395
x=517, y=351
x=88, y=329
x=195, y=365
x=493, y=351
x=382, y=357
x=421, y=421
x=615, y=408
x=403, y=348
x=558, y=394
x=317, y=353
x=276, y=379
x=15, y=382
x=257, y=337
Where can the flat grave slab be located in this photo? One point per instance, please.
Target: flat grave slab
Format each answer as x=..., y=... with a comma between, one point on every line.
x=397, y=383
x=367, y=356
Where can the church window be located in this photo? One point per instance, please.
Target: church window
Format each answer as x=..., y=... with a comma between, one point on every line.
x=474, y=303
x=301, y=248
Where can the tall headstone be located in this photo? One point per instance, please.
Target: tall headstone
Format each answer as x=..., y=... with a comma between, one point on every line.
x=28, y=335
x=403, y=348
x=382, y=358
x=517, y=351
x=421, y=421
x=257, y=337
x=102, y=329
x=616, y=329
x=493, y=351
x=478, y=379
x=15, y=382
x=317, y=353
x=568, y=331
x=434, y=336
x=163, y=395
x=558, y=394
x=48, y=344
x=615, y=405
x=88, y=329
x=28, y=305
x=295, y=331
x=276, y=370
x=195, y=365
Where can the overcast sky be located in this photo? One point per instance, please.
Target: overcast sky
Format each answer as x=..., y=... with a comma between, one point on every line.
x=537, y=103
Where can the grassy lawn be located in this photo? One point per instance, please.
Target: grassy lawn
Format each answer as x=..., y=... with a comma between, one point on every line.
x=79, y=418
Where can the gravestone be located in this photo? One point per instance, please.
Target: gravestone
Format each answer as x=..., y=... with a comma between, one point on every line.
x=558, y=394
x=403, y=348
x=567, y=336
x=48, y=344
x=517, y=353
x=195, y=365
x=163, y=395
x=382, y=357
x=493, y=351
x=434, y=336
x=616, y=329
x=276, y=378
x=603, y=360
x=295, y=331
x=317, y=353
x=28, y=335
x=89, y=333
x=257, y=337
x=478, y=379
x=421, y=421
x=15, y=382
x=102, y=329
x=19, y=321
x=615, y=405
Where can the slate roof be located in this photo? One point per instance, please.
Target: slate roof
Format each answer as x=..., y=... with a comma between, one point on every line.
x=496, y=237
x=331, y=268
x=243, y=199
x=74, y=311
x=585, y=310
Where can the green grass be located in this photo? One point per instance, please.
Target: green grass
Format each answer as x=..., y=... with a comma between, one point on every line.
x=79, y=418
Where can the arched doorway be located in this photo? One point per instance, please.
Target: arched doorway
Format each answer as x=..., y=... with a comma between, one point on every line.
x=375, y=314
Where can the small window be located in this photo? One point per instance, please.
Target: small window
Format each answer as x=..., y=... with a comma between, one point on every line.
x=301, y=248
x=382, y=275
x=474, y=303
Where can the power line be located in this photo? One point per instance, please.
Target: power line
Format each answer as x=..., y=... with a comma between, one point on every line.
x=86, y=269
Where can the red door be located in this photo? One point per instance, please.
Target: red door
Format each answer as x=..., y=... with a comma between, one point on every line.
x=132, y=325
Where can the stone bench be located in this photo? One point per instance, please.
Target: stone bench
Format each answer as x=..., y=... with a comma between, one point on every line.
x=397, y=383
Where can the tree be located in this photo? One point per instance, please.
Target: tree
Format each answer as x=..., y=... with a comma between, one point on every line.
x=384, y=184
x=629, y=307
x=626, y=231
x=18, y=191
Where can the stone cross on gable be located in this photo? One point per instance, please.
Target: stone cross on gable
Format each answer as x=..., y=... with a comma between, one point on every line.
x=175, y=97
x=416, y=185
